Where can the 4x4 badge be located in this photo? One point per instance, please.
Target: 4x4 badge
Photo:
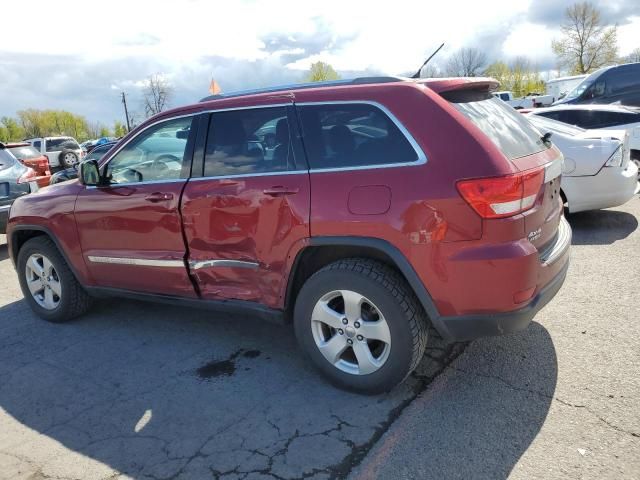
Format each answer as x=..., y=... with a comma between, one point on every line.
x=533, y=236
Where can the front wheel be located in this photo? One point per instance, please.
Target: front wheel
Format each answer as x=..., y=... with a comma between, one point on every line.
x=47, y=282
x=361, y=325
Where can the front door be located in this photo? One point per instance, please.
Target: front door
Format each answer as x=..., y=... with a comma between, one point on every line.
x=245, y=214
x=130, y=230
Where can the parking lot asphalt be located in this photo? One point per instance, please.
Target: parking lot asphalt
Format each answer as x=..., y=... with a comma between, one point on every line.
x=142, y=391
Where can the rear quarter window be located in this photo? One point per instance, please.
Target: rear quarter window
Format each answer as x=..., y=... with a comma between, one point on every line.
x=353, y=135
x=25, y=153
x=505, y=127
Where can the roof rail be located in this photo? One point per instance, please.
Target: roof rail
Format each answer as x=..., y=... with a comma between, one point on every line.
x=300, y=86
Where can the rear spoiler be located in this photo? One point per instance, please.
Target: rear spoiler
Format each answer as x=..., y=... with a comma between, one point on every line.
x=441, y=85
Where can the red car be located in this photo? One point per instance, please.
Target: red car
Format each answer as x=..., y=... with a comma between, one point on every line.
x=360, y=211
x=30, y=157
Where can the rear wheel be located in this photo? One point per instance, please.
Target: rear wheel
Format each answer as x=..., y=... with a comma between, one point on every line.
x=361, y=325
x=47, y=282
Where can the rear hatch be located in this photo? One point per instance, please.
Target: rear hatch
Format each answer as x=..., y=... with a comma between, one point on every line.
x=538, y=163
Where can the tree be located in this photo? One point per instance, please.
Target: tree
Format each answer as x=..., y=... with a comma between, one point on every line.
x=104, y=131
x=156, y=95
x=633, y=57
x=466, y=62
x=586, y=43
x=519, y=76
x=320, y=72
x=11, y=130
x=119, y=130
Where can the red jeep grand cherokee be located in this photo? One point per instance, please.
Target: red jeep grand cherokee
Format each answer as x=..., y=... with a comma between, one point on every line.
x=361, y=211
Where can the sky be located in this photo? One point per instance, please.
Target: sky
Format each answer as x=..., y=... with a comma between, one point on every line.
x=79, y=56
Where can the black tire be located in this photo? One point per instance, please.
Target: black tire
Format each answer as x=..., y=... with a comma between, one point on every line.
x=74, y=300
x=64, y=161
x=388, y=290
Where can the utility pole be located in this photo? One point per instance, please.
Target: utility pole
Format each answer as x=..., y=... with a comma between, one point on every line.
x=126, y=113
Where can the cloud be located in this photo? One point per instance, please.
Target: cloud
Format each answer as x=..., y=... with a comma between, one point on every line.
x=292, y=47
x=552, y=12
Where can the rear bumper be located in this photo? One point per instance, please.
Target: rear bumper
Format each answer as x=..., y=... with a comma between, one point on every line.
x=553, y=267
x=470, y=327
x=609, y=188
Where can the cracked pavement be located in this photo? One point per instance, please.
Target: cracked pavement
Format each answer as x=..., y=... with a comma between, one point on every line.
x=144, y=391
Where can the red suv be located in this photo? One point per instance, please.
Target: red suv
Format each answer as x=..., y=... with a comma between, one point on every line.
x=361, y=211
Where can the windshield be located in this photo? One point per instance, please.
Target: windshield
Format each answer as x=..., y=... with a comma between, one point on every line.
x=583, y=85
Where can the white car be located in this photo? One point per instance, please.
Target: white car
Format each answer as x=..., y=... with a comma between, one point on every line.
x=62, y=152
x=533, y=100
x=597, y=172
x=601, y=117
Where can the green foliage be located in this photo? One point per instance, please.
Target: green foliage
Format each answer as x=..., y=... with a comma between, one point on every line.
x=519, y=76
x=320, y=72
x=10, y=130
x=42, y=123
x=105, y=132
x=119, y=130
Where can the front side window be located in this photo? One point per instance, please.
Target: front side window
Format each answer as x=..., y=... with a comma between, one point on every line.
x=37, y=144
x=352, y=135
x=249, y=141
x=156, y=154
x=98, y=152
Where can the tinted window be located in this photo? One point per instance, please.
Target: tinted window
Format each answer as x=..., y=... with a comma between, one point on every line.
x=98, y=152
x=244, y=142
x=623, y=79
x=25, y=153
x=352, y=135
x=507, y=128
x=57, y=144
x=37, y=144
x=156, y=154
x=6, y=160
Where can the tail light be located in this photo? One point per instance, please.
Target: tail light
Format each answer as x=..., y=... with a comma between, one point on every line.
x=615, y=160
x=499, y=197
x=29, y=176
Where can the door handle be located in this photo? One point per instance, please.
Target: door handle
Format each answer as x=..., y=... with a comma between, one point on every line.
x=158, y=197
x=280, y=191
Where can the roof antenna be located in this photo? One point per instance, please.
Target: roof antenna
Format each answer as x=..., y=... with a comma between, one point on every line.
x=417, y=74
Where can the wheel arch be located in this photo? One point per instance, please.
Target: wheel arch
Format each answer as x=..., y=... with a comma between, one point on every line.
x=20, y=234
x=322, y=251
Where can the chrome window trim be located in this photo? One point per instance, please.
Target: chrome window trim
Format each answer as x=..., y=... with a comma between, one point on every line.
x=422, y=157
x=251, y=175
x=197, y=265
x=138, y=262
x=133, y=184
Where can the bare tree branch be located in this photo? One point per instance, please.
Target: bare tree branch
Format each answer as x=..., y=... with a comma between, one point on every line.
x=156, y=95
x=466, y=62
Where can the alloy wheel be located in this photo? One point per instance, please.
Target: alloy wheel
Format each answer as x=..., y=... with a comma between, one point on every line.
x=43, y=281
x=351, y=332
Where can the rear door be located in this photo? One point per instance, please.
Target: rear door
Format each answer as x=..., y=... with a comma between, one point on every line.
x=130, y=230
x=249, y=208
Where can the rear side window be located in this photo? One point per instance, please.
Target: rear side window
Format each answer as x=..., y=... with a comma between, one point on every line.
x=352, y=135
x=37, y=144
x=57, y=144
x=507, y=129
x=249, y=141
x=25, y=153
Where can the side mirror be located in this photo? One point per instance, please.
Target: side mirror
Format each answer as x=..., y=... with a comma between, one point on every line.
x=182, y=134
x=89, y=173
